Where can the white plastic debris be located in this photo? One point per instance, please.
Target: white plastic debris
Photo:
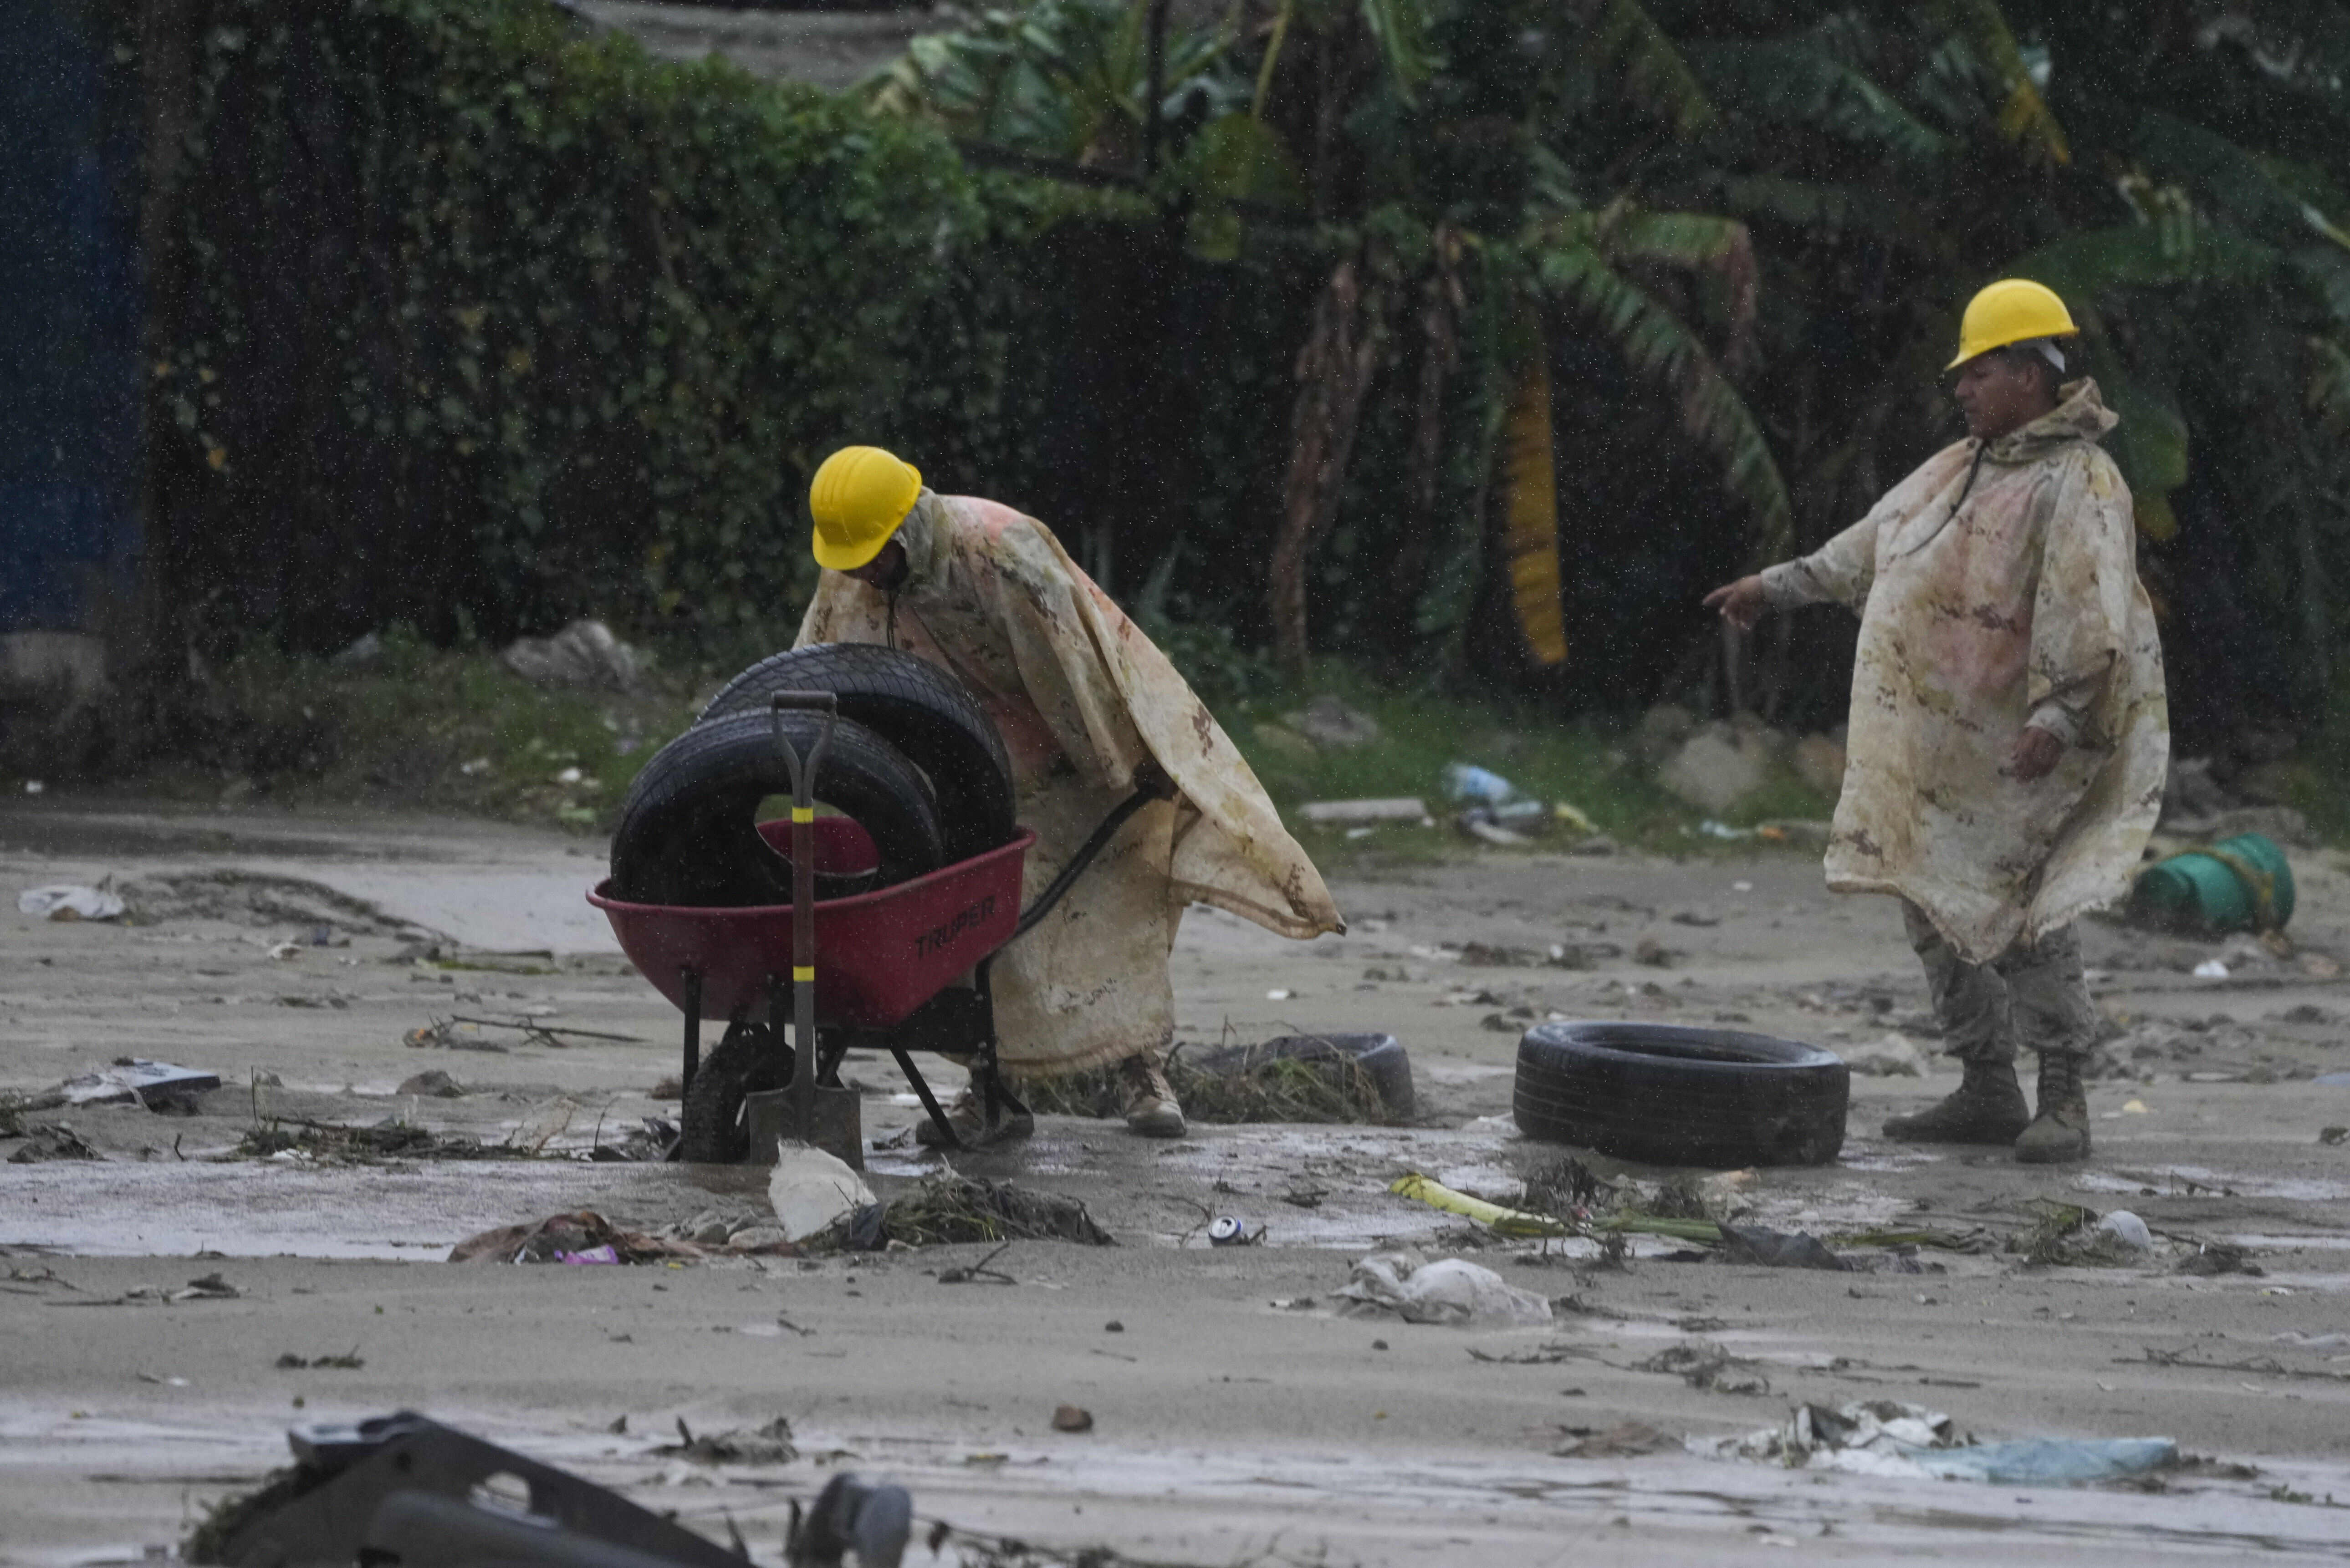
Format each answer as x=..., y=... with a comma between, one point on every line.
x=1451, y=1291
x=1402, y=809
x=34, y=786
x=129, y=1078
x=810, y=1189
x=585, y=656
x=2210, y=968
x=1887, y=1438
x=1891, y=1057
x=2128, y=1230
x=69, y=901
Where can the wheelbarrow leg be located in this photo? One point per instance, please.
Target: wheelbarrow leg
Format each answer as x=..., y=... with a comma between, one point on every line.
x=995, y=1095
x=692, y=1063
x=947, y=1137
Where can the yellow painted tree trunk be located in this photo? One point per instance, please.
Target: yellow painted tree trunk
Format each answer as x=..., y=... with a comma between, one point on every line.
x=1529, y=495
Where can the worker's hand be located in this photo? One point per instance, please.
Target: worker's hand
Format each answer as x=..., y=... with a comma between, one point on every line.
x=2036, y=751
x=1742, y=603
x=1150, y=779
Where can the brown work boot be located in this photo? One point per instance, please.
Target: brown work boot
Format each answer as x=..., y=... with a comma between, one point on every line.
x=1151, y=1108
x=1986, y=1107
x=968, y=1116
x=2060, y=1133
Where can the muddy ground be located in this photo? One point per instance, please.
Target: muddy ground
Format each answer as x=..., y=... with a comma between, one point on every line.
x=295, y=955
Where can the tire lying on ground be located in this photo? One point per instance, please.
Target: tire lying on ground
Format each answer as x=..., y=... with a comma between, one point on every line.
x=1380, y=1056
x=915, y=707
x=1668, y=1094
x=710, y=1128
x=689, y=832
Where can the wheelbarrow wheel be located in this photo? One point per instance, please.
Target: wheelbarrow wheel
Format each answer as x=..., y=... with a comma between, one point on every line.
x=915, y=706
x=688, y=832
x=749, y=1061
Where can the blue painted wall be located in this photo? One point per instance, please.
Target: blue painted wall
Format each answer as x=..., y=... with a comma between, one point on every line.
x=70, y=370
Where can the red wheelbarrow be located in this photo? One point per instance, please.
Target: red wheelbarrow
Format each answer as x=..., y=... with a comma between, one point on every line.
x=875, y=971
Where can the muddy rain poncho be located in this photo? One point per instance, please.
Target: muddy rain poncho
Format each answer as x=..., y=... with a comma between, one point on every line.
x=1989, y=599
x=1082, y=696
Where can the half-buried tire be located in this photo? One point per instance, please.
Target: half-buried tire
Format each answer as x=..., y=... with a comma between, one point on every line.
x=688, y=832
x=748, y=1061
x=1667, y=1095
x=915, y=707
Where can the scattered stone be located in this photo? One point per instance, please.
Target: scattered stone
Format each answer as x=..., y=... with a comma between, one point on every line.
x=1819, y=762
x=51, y=1140
x=767, y=1445
x=432, y=1084
x=1890, y=1058
x=1328, y=722
x=1285, y=744
x=1073, y=1418
x=584, y=656
x=1717, y=768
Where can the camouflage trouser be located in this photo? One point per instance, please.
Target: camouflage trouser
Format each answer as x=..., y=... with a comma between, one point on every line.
x=2033, y=995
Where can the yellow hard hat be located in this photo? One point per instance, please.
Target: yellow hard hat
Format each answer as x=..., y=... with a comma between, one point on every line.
x=860, y=496
x=2012, y=310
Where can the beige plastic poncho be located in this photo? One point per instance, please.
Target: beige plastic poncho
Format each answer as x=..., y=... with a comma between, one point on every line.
x=1082, y=696
x=2019, y=604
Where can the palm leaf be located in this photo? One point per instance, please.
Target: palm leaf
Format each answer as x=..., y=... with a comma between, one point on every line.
x=1645, y=60
x=1800, y=82
x=2149, y=446
x=1658, y=343
x=1402, y=29
x=2094, y=262
x=2023, y=116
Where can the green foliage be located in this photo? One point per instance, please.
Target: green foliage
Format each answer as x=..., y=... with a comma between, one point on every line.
x=596, y=309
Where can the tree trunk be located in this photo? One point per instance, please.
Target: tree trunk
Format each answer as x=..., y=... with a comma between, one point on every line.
x=1440, y=356
x=1335, y=370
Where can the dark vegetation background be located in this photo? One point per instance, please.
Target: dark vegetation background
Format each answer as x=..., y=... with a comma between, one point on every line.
x=476, y=321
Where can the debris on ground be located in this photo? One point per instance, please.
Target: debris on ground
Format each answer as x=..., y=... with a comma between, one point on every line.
x=1073, y=1418
x=1451, y=1291
x=2219, y=1258
x=1624, y=1440
x=350, y=1361
x=70, y=901
x=432, y=1083
x=2067, y=1234
x=812, y=1191
x=1892, y=1056
x=587, y=1237
x=334, y=1143
x=51, y=1140
x=1703, y=1364
x=1501, y=1221
x=849, y=1517
x=1335, y=1090
x=767, y=1445
x=583, y=657
x=158, y=1085
x=1887, y=1438
x=1754, y=1245
x=210, y=1287
x=949, y=1209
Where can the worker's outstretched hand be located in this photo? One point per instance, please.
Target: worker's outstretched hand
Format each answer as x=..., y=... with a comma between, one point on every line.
x=1150, y=779
x=1742, y=603
x=2036, y=751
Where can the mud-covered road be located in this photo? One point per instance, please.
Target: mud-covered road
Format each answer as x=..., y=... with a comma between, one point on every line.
x=295, y=955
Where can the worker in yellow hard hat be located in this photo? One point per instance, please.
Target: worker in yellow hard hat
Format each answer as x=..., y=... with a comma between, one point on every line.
x=2009, y=739
x=1090, y=712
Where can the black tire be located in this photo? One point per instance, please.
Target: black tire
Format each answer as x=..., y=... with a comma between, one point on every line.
x=1667, y=1095
x=750, y=1060
x=1381, y=1058
x=689, y=835
x=915, y=707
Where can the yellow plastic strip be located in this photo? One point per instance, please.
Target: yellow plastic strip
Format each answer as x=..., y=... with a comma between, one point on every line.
x=803, y=813
x=804, y=976
x=1507, y=1222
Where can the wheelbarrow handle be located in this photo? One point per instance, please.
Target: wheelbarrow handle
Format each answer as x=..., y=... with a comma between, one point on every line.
x=1084, y=857
x=804, y=981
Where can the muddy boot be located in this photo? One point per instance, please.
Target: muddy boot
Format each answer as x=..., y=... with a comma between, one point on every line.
x=1151, y=1108
x=2060, y=1132
x=969, y=1118
x=1986, y=1107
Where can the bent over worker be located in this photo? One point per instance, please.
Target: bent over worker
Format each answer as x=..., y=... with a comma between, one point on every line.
x=1090, y=712
x=2009, y=734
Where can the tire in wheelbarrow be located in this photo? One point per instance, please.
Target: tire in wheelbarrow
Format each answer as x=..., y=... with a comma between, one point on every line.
x=915, y=706
x=688, y=832
x=1667, y=1095
x=710, y=1128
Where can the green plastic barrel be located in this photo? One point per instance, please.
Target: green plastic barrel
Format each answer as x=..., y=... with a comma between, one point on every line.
x=2240, y=884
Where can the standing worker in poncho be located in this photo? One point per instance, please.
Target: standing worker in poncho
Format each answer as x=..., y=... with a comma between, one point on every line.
x=1090, y=712
x=2009, y=736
